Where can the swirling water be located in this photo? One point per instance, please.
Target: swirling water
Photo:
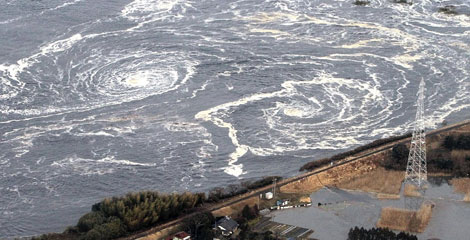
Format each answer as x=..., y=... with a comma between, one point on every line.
x=100, y=98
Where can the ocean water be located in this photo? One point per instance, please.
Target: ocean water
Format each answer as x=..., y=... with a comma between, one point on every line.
x=100, y=98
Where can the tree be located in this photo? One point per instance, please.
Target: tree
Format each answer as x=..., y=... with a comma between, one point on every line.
x=93, y=235
x=449, y=142
x=113, y=217
x=463, y=142
x=398, y=159
x=377, y=234
x=112, y=229
x=250, y=213
x=89, y=221
x=199, y=225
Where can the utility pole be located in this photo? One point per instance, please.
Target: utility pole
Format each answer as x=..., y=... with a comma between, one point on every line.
x=274, y=187
x=416, y=169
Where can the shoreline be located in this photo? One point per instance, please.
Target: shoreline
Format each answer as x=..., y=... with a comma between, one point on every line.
x=301, y=178
x=333, y=174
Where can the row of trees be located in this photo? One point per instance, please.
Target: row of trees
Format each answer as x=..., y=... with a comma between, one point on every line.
x=378, y=234
x=451, y=158
x=377, y=143
x=115, y=217
x=460, y=142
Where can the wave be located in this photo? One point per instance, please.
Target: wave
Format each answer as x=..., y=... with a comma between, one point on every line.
x=147, y=11
x=85, y=166
x=50, y=9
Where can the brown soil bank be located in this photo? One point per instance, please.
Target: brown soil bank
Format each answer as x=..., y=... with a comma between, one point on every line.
x=406, y=220
x=334, y=176
x=236, y=208
x=379, y=180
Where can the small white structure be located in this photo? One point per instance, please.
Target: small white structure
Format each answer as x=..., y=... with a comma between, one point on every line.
x=268, y=195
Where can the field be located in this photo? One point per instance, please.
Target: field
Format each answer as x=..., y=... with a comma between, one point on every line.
x=380, y=181
x=406, y=220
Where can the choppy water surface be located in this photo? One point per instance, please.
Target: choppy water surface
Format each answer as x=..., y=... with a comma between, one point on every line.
x=99, y=98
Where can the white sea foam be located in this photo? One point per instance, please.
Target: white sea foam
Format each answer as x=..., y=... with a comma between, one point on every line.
x=293, y=136
x=61, y=45
x=66, y=4
x=85, y=166
x=40, y=13
x=146, y=11
x=143, y=74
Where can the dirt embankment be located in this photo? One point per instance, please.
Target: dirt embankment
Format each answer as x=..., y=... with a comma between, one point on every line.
x=406, y=220
x=162, y=234
x=386, y=184
x=335, y=176
x=236, y=208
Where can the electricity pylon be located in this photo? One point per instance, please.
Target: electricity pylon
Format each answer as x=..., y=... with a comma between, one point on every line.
x=416, y=172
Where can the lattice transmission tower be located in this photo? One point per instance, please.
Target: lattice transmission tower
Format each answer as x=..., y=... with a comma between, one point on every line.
x=416, y=170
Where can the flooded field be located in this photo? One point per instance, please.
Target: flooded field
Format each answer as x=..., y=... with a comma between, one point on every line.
x=335, y=211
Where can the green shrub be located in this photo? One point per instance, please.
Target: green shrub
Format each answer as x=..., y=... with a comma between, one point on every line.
x=92, y=235
x=378, y=234
x=89, y=221
x=114, y=217
x=398, y=159
x=460, y=142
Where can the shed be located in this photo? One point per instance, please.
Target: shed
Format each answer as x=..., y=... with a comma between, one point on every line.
x=269, y=195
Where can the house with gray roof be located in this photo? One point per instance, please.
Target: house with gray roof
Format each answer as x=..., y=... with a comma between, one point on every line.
x=226, y=225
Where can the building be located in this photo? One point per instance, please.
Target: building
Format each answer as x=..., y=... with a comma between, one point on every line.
x=269, y=195
x=226, y=225
x=179, y=236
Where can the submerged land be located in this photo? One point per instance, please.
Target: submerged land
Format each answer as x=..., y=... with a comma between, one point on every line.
x=362, y=187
